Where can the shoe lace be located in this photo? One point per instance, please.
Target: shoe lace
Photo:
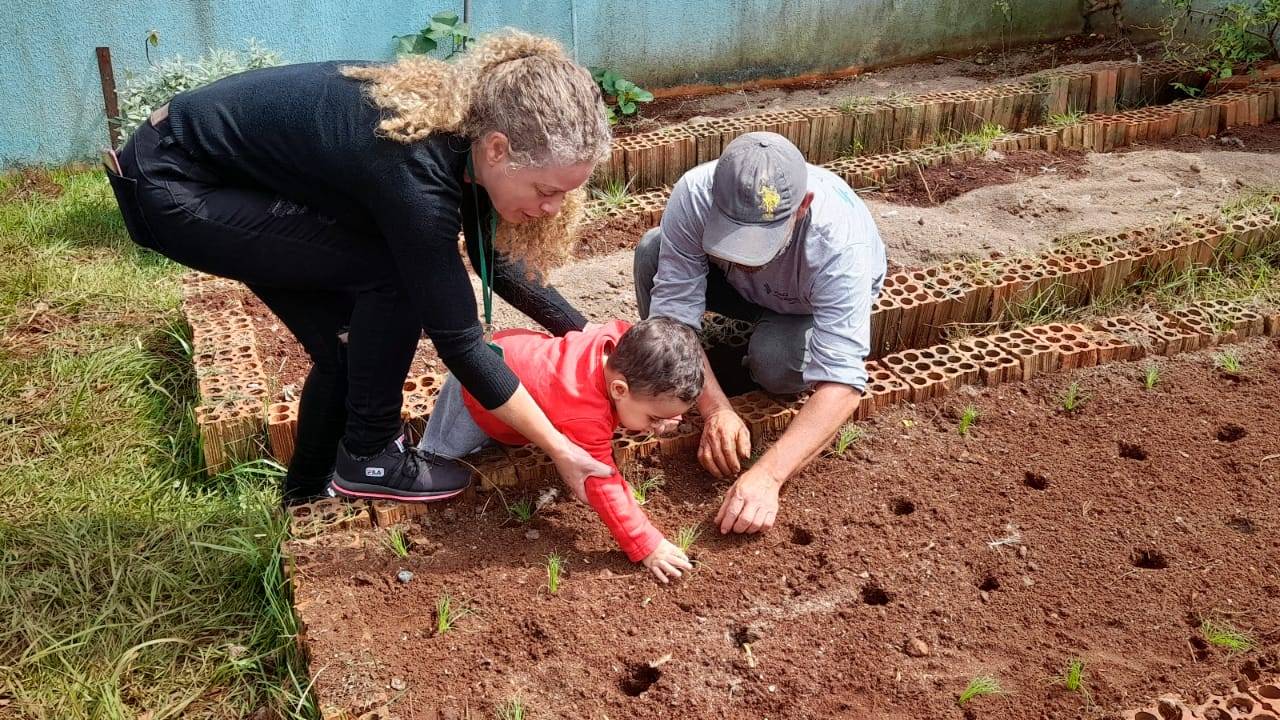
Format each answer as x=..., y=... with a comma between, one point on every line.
x=411, y=459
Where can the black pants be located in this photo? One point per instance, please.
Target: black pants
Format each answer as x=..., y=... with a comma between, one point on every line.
x=318, y=276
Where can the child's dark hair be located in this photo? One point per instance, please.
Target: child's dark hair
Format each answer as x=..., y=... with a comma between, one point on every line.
x=660, y=356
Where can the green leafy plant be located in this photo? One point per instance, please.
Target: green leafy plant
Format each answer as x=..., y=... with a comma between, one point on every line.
x=613, y=193
x=1241, y=32
x=1071, y=117
x=977, y=687
x=854, y=149
x=1072, y=678
x=967, y=419
x=141, y=93
x=1228, y=361
x=1224, y=635
x=983, y=137
x=1150, y=376
x=510, y=709
x=686, y=537
x=449, y=611
x=622, y=97
x=397, y=541
x=444, y=29
x=1073, y=399
x=643, y=489
x=848, y=435
x=1185, y=89
x=555, y=566
x=522, y=510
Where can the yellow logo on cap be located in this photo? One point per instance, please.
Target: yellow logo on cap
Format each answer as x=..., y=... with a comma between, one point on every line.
x=769, y=199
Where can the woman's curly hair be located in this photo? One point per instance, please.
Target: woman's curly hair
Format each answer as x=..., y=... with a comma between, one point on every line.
x=521, y=85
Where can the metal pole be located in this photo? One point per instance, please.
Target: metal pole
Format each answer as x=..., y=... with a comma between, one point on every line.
x=108, y=77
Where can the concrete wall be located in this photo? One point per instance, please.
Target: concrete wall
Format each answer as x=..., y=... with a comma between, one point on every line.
x=51, y=102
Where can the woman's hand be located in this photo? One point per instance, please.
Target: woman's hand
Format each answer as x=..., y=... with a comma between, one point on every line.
x=575, y=465
x=726, y=441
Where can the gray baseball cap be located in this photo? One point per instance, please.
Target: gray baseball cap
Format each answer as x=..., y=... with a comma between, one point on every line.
x=759, y=181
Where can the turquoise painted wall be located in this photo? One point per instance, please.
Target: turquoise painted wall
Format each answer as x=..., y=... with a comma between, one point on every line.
x=51, y=102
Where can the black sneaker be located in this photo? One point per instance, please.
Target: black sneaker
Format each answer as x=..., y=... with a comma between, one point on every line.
x=399, y=473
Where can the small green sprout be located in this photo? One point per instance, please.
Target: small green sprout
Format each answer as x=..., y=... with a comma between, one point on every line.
x=1224, y=635
x=1073, y=678
x=643, y=489
x=522, y=510
x=1068, y=118
x=448, y=612
x=511, y=709
x=1150, y=376
x=1074, y=398
x=977, y=687
x=1228, y=361
x=555, y=564
x=967, y=420
x=849, y=434
x=397, y=542
x=686, y=537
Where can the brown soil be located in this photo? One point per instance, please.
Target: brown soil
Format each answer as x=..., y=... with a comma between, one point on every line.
x=942, y=73
x=31, y=183
x=1263, y=139
x=602, y=237
x=1134, y=517
x=929, y=187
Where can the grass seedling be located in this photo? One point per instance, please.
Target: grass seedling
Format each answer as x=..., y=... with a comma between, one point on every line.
x=613, y=193
x=977, y=687
x=448, y=612
x=967, y=420
x=1228, y=362
x=1150, y=376
x=1067, y=118
x=522, y=510
x=983, y=137
x=855, y=103
x=555, y=565
x=397, y=541
x=1073, y=678
x=1224, y=635
x=643, y=489
x=510, y=709
x=848, y=435
x=686, y=537
x=1074, y=398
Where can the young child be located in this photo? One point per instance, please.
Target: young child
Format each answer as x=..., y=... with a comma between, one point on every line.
x=642, y=377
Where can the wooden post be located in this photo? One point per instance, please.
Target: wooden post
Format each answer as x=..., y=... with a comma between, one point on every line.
x=108, y=78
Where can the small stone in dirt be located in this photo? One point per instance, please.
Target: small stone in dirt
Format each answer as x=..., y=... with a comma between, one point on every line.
x=985, y=596
x=404, y=576
x=1134, y=178
x=397, y=684
x=917, y=648
x=531, y=534
x=920, y=221
x=1022, y=551
x=1195, y=167
x=362, y=579
x=1026, y=580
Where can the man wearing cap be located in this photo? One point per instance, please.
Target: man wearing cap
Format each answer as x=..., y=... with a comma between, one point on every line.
x=763, y=236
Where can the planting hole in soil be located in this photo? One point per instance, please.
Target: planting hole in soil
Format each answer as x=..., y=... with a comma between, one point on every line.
x=1035, y=481
x=902, y=506
x=990, y=583
x=875, y=595
x=1129, y=451
x=1242, y=525
x=800, y=536
x=1149, y=559
x=744, y=635
x=1231, y=432
x=639, y=678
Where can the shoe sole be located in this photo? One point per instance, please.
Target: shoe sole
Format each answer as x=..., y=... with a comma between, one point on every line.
x=378, y=492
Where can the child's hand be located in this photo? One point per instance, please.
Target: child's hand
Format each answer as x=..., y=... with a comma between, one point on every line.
x=666, y=561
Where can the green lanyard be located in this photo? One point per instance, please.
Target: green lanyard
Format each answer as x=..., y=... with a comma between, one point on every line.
x=486, y=259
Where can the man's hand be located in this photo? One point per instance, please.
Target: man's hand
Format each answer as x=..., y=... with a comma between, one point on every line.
x=726, y=441
x=751, y=505
x=666, y=561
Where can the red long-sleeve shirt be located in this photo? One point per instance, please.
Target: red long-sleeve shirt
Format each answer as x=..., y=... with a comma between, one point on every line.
x=565, y=375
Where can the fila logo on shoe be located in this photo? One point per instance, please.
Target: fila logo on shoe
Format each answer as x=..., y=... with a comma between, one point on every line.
x=373, y=472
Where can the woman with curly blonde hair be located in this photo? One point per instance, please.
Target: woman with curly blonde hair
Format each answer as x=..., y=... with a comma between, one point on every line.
x=336, y=193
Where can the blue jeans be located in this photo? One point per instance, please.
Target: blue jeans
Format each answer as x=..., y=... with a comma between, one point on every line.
x=451, y=432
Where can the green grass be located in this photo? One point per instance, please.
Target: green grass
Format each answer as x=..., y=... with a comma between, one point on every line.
x=1150, y=376
x=449, y=610
x=1073, y=399
x=1222, y=634
x=510, y=709
x=643, y=490
x=686, y=537
x=555, y=566
x=397, y=542
x=1067, y=118
x=977, y=687
x=131, y=584
x=1072, y=678
x=1228, y=361
x=983, y=137
x=522, y=510
x=848, y=435
x=968, y=419
x=613, y=193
